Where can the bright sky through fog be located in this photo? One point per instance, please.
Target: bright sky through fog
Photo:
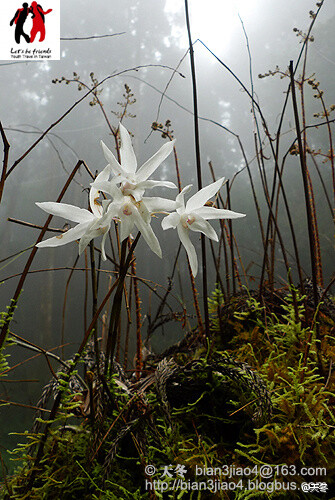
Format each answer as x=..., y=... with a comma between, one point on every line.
x=213, y=21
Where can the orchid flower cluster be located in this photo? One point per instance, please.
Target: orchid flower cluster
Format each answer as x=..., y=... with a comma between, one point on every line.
x=126, y=185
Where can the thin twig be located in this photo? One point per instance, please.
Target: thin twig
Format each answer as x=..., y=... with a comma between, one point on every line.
x=23, y=405
x=6, y=147
x=68, y=111
x=35, y=226
x=92, y=37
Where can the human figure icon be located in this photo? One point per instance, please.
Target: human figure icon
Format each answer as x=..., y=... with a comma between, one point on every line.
x=38, y=21
x=19, y=20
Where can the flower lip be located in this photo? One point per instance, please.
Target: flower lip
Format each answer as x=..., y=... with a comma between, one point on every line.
x=128, y=188
x=190, y=219
x=127, y=209
x=187, y=220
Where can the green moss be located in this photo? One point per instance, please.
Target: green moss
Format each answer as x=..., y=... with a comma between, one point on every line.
x=203, y=408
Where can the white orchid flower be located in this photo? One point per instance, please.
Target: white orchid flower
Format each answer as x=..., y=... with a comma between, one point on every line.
x=135, y=213
x=194, y=217
x=133, y=181
x=90, y=224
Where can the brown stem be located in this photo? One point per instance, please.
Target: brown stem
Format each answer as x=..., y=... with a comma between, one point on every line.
x=318, y=263
x=6, y=147
x=65, y=301
x=94, y=305
x=126, y=341
x=34, y=226
x=138, y=366
x=177, y=168
x=306, y=190
x=116, y=309
x=85, y=290
x=195, y=299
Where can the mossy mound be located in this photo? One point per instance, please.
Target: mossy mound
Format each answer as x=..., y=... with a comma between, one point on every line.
x=207, y=415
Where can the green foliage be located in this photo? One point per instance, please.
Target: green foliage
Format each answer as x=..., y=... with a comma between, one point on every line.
x=215, y=301
x=68, y=473
x=3, y=361
x=5, y=317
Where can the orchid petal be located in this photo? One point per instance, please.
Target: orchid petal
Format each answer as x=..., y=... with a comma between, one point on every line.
x=72, y=234
x=137, y=192
x=199, y=199
x=68, y=212
x=106, y=206
x=95, y=203
x=110, y=214
x=217, y=213
x=128, y=158
x=94, y=193
x=180, y=197
x=183, y=234
x=202, y=226
x=171, y=221
x=127, y=225
x=157, y=204
x=108, y=187
x=93, y=232
x=114, y=164
x=99, y=227
x=105, y=186
x=143, y=211
x=103, y=241
x=153, y=163
x=85, y=240
x=151, y=184
x=147, y=233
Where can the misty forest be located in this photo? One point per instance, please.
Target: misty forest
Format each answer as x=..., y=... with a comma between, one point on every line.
x=167, y=194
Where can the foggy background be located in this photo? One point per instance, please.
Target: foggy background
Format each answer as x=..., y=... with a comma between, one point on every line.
x=152, y=34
